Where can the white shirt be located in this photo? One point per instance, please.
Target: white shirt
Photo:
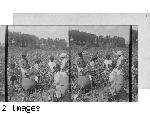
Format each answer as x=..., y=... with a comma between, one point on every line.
x=63, y=63
x=120, y=60
x=52, y=65
x=61, y=79
x=23, y=71
x=57, y=77
x=107, y=62
x=114, y=73
x=92, y=64
x=36, y=66
x=36, y=78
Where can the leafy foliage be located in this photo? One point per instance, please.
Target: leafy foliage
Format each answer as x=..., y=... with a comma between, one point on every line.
x=83, y=38
x=18, y=39
x=100, y=94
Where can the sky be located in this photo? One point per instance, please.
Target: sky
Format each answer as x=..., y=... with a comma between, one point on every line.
x=2, y=34
x=43, y=31
x=62, y=31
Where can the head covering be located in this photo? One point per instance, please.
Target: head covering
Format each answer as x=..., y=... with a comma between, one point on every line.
x=24, y=53
x=12, y=65
x=80, y=54
x=107, y=56
x=37, y=60
x=119, y=53
x=51, y=58
x=63, y=55
x=95, y=57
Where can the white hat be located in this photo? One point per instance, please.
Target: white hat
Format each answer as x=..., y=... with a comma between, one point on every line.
x=119, y=53
x=63, y=55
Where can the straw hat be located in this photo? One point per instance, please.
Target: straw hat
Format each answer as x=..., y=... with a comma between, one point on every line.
x=63, y=55
x=119, y=53
x=24, y=53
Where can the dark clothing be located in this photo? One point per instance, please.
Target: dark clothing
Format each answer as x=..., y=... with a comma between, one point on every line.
x=80, y=63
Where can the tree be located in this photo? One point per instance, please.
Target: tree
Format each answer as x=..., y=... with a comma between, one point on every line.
x=26, y=40
x=83, y=38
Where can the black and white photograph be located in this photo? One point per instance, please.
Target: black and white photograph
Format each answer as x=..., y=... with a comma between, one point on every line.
x=71, y=63
x=2, y=63
x=38, y=64
x=99, y=58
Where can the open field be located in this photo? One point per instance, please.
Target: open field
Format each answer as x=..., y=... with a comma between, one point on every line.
x=99, y=94
x=14, y=55
x=96, y=95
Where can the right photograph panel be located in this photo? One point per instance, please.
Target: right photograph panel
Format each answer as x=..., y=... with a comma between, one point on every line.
x=100, y=63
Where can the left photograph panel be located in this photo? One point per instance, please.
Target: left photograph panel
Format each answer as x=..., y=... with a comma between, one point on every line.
x=2, y=63
x=38, y=64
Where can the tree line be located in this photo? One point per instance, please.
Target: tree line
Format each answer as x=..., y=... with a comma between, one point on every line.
x=82, y=38
x=77, y=37
x=19, y=39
